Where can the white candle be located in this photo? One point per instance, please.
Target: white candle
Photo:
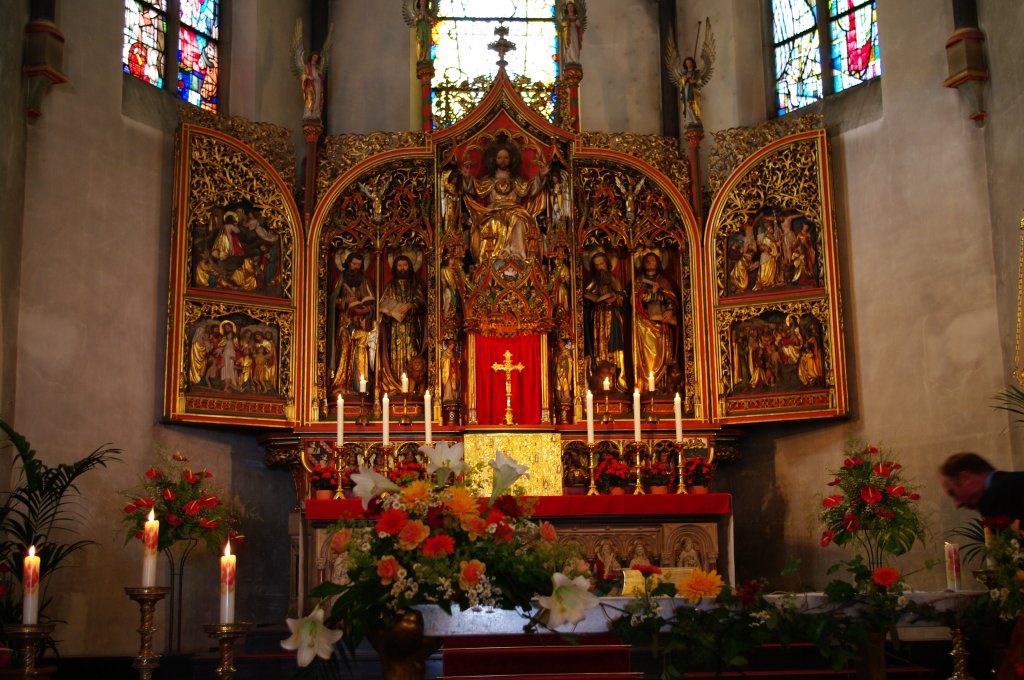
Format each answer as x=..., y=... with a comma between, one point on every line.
x=650, y=381
x=150, y=540
x=607, y=384
x=428, y=416
x=30, y=588
x=341, y=421
x=590, y=417
x=636, y=414
x=405, y=383
x=677, y=408
x=227, y=586
x=362, y=384
x=385, y=407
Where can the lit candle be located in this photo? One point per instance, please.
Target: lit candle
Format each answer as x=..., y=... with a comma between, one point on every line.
x=677, y=408
x=405, y=383
x=385, y=407
x=341, y=421
x=636, y=414
x=362, y=384
x=590, y=417
x=607, y=384
x=227, y=586
x=30, y=589
x=650, y=381
x=150, y=539
x=428, y=416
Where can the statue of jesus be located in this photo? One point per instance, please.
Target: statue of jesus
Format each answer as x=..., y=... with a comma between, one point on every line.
x=504, y=205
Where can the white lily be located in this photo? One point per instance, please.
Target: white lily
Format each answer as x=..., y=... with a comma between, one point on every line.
x=569, y=600
x=370, y=483
x=445, y=460
x=310, y=637
x=506, y=472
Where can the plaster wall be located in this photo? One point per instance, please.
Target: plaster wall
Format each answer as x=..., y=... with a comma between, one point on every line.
x=924, y=336
x=13, y=17
x=91, y=339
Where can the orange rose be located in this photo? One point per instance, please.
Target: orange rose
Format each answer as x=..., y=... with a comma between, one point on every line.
x=547, y=532
x=885, y=576
x=340, y=539
x=412, y=534
x=470, y=573
x=387, y=569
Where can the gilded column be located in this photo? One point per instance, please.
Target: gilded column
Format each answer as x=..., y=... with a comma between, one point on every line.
x=693, y=137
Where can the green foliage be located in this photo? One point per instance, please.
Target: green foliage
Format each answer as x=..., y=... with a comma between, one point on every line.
x=36, y=512
x=974, y=532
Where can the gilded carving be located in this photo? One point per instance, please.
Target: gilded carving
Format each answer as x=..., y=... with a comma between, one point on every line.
x=272, y=142
x=660, y=152
x=239, y=224
x=454, y=99
x=734, y=145
x=341, y=152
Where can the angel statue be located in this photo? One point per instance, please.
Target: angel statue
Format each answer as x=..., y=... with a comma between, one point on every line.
x=572, y=21
x=688, y=78
x=421, y=15
x=311, y=72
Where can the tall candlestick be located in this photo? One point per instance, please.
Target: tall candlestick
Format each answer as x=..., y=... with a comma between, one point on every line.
x=405, y=383
x=650, y=381
x=590, y=417
x=227, y=586
x=428, y=418
x=341, y=421
x=150, y=539
x=636, y=414
x=362, y=384
x=30, y=589
x=677, y=408
x=385, y=407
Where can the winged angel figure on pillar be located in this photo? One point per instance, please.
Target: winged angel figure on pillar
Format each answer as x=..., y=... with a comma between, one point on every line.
x=422, y=16
x=311, y=72
x=572, y=22
x=688, y=78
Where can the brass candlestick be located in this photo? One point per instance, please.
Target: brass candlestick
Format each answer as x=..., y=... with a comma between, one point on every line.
x=639, y=488
x=363, y=418
x=146, y=661
x=959, y=654
x=336, y=460
x=26, y=638
x=607, y=418
x=226, y=634
x=651, y=418
x=679, y=468
x=405, y=420
x=390, y=452
x=592, y=491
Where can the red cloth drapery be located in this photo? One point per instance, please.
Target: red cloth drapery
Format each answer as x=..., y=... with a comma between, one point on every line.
x=490, y=384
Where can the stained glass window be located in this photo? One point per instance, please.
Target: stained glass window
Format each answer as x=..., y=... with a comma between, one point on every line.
x=464, y=66
x=188, y=29
x=802, y=32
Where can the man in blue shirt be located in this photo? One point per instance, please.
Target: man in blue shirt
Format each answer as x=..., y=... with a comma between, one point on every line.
x=972, y=482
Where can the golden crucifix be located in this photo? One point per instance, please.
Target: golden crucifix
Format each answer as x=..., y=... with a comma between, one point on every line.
x=507, y=368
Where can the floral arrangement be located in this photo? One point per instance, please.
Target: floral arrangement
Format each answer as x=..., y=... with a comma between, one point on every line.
x=431, y=542
x=1004, y=557
x=324, y=477
x=697, y=471
x=875, y=507
x=656, y=473
x=406, y=472
x=187, y=504
x=611, y=472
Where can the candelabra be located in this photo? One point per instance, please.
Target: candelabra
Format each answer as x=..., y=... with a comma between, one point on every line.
x=146, y=661
x=592, y=491
x=959, y=654
x=405, y=420
x=390, y=453
x=26, y=638
x=340, y=464
x=226, y=634
x=639, y=488
x=364, y=417
x=679, y=468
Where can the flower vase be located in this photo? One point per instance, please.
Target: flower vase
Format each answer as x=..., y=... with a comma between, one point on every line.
x=402, y=647
x=617, y=491
x=323, y=494
x=872, y=658
x=658, y=489
x=696, y=489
